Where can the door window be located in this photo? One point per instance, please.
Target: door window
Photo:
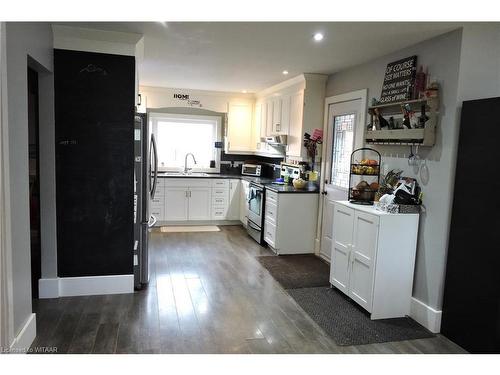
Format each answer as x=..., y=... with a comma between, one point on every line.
x=254, y=202
x=343, y=142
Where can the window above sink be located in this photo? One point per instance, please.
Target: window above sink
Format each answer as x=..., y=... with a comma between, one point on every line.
x=180, y=134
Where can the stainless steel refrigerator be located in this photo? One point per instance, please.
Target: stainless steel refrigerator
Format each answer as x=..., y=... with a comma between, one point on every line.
x=146, y=178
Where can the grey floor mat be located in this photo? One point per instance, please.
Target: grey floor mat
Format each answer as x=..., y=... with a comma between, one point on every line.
x=297, y=271
x=348, y=324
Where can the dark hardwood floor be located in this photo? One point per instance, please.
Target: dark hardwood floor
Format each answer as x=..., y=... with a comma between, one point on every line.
x=208, y=294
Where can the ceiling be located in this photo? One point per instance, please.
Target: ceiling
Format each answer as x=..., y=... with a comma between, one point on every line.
x=237, y=56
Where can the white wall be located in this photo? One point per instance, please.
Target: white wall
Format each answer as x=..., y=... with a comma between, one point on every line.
x=479, y=75
x=442, y=56
x=23, y=40
x=161, y=97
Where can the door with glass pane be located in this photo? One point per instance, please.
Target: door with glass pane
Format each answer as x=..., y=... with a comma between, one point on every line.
x=342, y=120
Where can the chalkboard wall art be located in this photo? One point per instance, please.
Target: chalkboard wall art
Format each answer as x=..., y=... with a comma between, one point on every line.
x=399, y=80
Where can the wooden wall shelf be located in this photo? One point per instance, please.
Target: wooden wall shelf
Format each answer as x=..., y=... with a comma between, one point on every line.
x=423, y=137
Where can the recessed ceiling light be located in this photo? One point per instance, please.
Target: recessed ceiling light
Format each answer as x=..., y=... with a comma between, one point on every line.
x=285, y=72
x=318, y=37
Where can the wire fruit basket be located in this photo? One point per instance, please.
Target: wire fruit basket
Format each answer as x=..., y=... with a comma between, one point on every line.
x=364, y=176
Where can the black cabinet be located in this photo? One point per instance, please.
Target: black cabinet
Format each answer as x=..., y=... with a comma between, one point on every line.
x=94, y=131
x=471, y=306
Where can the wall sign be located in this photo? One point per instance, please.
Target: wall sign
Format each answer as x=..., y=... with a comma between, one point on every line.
x=399, y=80
x=190, y=102
x=181, y=96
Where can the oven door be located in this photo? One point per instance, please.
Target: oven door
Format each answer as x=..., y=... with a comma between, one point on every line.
x=254, y=231
x=255, y=204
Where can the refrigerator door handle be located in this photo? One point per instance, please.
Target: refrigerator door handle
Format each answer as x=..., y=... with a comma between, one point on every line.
x=155, y=170
x=152, y=221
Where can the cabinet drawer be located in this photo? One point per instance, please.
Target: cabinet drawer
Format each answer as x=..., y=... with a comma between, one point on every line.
x=270, y=233
x=220, y=183
x=219, y=213
x=219, y=201
x=271, y=197
x=220, y=192
x=157, y=201
x=158, y=212
x=271, y=212
x=160, y=191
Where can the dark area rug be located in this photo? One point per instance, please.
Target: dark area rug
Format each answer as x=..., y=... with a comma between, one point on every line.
x=306, y=279
x=349, y=324
x=297, y=271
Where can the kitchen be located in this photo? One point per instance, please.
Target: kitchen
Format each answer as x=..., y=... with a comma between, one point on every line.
x=312, y=193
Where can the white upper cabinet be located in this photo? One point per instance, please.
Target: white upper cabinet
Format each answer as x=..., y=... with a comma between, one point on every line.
x=295, y=134
x=257, y=125
x=239, y=127
x=263, y=120
x=269, y=117
x=276, y=118
x=294, y=107
x=285, y=115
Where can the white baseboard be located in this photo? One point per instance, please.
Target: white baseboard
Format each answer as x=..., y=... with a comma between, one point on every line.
x=26, y=336
x=317, y=246
x=85, y=286
x=426, y=315
x=48, y=288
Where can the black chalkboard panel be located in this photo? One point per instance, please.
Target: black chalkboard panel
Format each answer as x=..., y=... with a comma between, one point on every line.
x=471, y=304
x=399, y=80
x=94, y=122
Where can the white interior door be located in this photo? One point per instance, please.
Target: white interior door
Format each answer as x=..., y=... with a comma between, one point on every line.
x=340, y=133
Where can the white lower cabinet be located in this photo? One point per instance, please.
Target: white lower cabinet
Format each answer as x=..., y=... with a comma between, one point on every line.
x=187, y=199
x=233, y=204
x=373, y=258
x=200, y=199
x=290, y=222
x=176, y=199
x=199, y=203
x=244, y=191
x=157, y=204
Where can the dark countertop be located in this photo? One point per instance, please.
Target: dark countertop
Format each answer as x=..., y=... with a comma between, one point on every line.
x=209, y=175
x=311, y=187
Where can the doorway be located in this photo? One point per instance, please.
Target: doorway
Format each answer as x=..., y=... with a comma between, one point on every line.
x=34, y=179
x=344, y=114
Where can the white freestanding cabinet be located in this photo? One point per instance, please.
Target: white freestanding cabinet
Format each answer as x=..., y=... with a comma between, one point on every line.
x=373, y=258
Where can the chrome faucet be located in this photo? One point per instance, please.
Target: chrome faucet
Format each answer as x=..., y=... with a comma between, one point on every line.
x=186, y=162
